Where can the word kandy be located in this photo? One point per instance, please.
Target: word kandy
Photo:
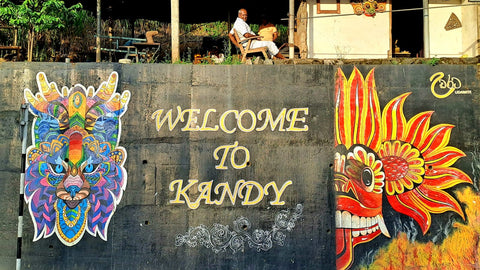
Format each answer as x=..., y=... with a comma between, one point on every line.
x=223, y=189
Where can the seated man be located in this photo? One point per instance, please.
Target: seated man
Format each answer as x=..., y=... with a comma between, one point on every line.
x=267, y=30
x=244, y=31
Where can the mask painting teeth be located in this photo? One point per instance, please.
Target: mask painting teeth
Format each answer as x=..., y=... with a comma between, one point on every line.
x=360, y=225
x=382, y=226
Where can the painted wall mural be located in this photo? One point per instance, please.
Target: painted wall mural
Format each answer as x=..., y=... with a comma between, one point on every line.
x=380, y=154
x=368, y=7
x=220, y=238
x=326, y=166
x=75, y=176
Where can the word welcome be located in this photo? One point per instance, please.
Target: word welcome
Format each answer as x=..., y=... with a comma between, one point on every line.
x=223, y=189
x=285, y=120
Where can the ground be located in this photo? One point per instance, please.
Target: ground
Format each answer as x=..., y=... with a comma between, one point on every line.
x=389, y=61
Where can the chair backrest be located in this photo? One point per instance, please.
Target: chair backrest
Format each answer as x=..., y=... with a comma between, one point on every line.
x=149, y=36
x=239, y=45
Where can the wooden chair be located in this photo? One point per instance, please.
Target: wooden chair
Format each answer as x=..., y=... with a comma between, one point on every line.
x=13, y=47
x=246, y=50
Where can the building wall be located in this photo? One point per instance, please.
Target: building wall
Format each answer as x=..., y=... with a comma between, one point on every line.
x=456, y=42
x=157, y=225
x=346, y=37
x=470, y=31
x=349, y=36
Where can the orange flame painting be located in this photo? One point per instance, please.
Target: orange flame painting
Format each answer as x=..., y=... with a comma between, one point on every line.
x=381, y=153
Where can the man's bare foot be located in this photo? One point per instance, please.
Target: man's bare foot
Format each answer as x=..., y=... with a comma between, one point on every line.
x=279, y=56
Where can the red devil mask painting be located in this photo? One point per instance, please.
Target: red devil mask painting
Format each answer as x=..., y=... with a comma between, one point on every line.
x=381, y=153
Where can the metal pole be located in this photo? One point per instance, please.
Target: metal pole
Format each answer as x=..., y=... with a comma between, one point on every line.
x=175, y=23
x=24, y=128
x=98, y=54
x=291, y=28
x=478, y=30
x=426, y=30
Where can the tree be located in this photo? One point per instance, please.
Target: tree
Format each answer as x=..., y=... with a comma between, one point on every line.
x=37, y=16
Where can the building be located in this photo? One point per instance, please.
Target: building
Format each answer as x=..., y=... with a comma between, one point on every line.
x=381, y=29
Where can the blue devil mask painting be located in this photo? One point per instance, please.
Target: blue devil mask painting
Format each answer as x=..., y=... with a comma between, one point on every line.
x=75, y=176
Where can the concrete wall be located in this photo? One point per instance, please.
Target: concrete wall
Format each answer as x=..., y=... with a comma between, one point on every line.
x=146, y=229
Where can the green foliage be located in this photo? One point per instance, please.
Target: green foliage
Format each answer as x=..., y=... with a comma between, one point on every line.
x=38, y=16
x=212, y=29
x=254, y=27
x=216, y=29
x=186, y=27
x=282, y=34
x=79, y=21
x=186, y=57
x=229, y=58
x=232, y=60
x=434, y=61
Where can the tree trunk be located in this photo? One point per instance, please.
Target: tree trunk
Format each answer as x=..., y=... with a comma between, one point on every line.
x=301, y=34
x=31, y=40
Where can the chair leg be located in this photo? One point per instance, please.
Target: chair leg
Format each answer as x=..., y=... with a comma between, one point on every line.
x=265, y=54
x=244, y=58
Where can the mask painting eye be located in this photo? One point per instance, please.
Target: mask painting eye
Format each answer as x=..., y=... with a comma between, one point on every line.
x=367, y=178
x=90, y=168
x=58, y=168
